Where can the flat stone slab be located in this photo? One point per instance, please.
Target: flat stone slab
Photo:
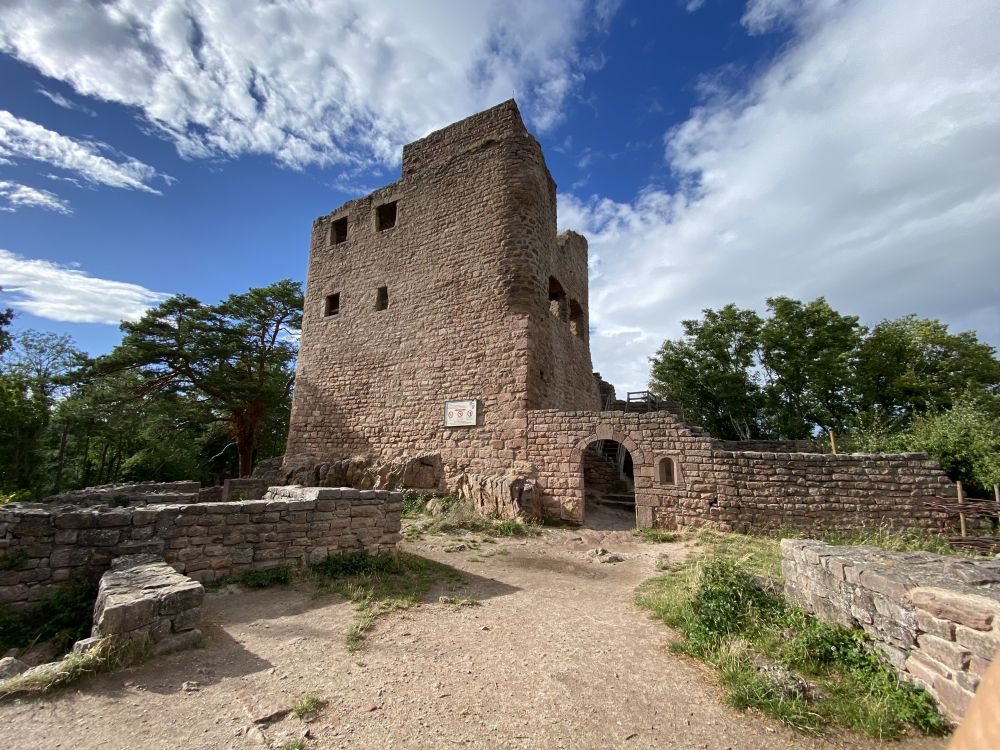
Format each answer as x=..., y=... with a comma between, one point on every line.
x=143, y=595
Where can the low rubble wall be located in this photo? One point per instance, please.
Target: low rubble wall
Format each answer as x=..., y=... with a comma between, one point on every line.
x=936, y=618
x=44, y=545
x=139, y=493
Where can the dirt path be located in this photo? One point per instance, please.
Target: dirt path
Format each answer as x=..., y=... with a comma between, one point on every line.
x=556, y=656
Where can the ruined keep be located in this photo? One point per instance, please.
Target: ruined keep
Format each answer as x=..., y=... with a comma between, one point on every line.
x=451, y=285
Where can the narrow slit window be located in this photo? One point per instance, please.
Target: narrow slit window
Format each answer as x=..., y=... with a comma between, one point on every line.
x=557, y=299
x=668, y=471
x=332, y=305
x=382, y=298
x=385, y=216
x=576, y=326
x=338, y=231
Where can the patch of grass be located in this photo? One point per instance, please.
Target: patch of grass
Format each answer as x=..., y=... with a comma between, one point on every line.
x=378, y=585
x=109, y=654
x=894, y=540
x=262, y=579
x=759, y=555
x=307, y=705
x=298, y=744
x=61, y=618
x=726, y=619
x=657, y=536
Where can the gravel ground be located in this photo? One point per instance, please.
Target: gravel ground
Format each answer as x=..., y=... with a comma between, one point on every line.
x=555, y=656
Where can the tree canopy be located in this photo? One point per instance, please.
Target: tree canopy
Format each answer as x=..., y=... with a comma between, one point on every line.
x=804, y=369
x=237, y=355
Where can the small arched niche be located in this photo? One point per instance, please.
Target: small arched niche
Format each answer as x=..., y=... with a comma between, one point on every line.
x=557, y=299
x=576, y=322
x=666, y=470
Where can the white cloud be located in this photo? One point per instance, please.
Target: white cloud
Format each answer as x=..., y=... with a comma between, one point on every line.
x=15, y=196
x=861, y=165
x=53, y=291
x=26, y=139
x=312, y=82
x=61, y=101
x=692, y=6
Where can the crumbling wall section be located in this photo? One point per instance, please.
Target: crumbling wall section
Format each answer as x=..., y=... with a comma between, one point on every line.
x=43, y=546
x=935, y=618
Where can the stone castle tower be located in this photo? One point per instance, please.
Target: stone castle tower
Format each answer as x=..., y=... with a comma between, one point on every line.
x=448, y=284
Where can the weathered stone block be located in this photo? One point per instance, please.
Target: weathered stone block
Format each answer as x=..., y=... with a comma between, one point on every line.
x=966, y=609
x=951, y=655
x=985, y=645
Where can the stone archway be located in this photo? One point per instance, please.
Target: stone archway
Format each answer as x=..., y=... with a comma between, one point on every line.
x=606, y=464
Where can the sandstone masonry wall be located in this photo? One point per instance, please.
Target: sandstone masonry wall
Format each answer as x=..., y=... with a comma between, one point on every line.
x=729, y=490
x=45, y=545
x=936, y=618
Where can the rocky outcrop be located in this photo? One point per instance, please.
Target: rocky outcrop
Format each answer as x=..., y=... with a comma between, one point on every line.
x=504, y=497
x=423, y=472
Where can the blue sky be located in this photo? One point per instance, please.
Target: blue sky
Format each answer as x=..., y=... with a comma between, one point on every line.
x=712, y=151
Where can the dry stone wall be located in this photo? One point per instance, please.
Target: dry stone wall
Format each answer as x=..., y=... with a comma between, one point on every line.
x=43, y=546
x=936, y=618
x=729, y=490
x=139, y=493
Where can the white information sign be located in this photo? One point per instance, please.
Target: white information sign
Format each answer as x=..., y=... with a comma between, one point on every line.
x=460, y=413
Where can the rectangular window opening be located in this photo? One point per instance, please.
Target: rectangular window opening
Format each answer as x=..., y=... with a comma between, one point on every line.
x=385, y=216
x=382, y=298
x=332, y=306
x=338, y=231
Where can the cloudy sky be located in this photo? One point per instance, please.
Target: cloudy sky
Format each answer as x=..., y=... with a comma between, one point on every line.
x=712, y=151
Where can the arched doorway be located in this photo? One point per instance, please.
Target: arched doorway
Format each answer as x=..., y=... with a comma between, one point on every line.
x=608, y=486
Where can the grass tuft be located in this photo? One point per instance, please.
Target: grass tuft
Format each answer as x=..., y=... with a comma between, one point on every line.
x=444, y=514
x=109, y=654
x=378, y=585
x=657, y=536
x=307, y=705
x=262, y=579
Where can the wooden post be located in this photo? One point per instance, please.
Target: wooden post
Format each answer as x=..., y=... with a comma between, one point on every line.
x=996, y=496
x=961, y=515
x=833, y=443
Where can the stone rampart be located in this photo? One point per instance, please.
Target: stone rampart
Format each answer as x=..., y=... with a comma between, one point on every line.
x=44, y=545
x=682, y=478
x=936, y=618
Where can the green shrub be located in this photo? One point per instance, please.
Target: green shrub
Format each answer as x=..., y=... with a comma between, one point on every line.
x=13, y=560
x=262, y=579
x=61, y=618
x=726, y=618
